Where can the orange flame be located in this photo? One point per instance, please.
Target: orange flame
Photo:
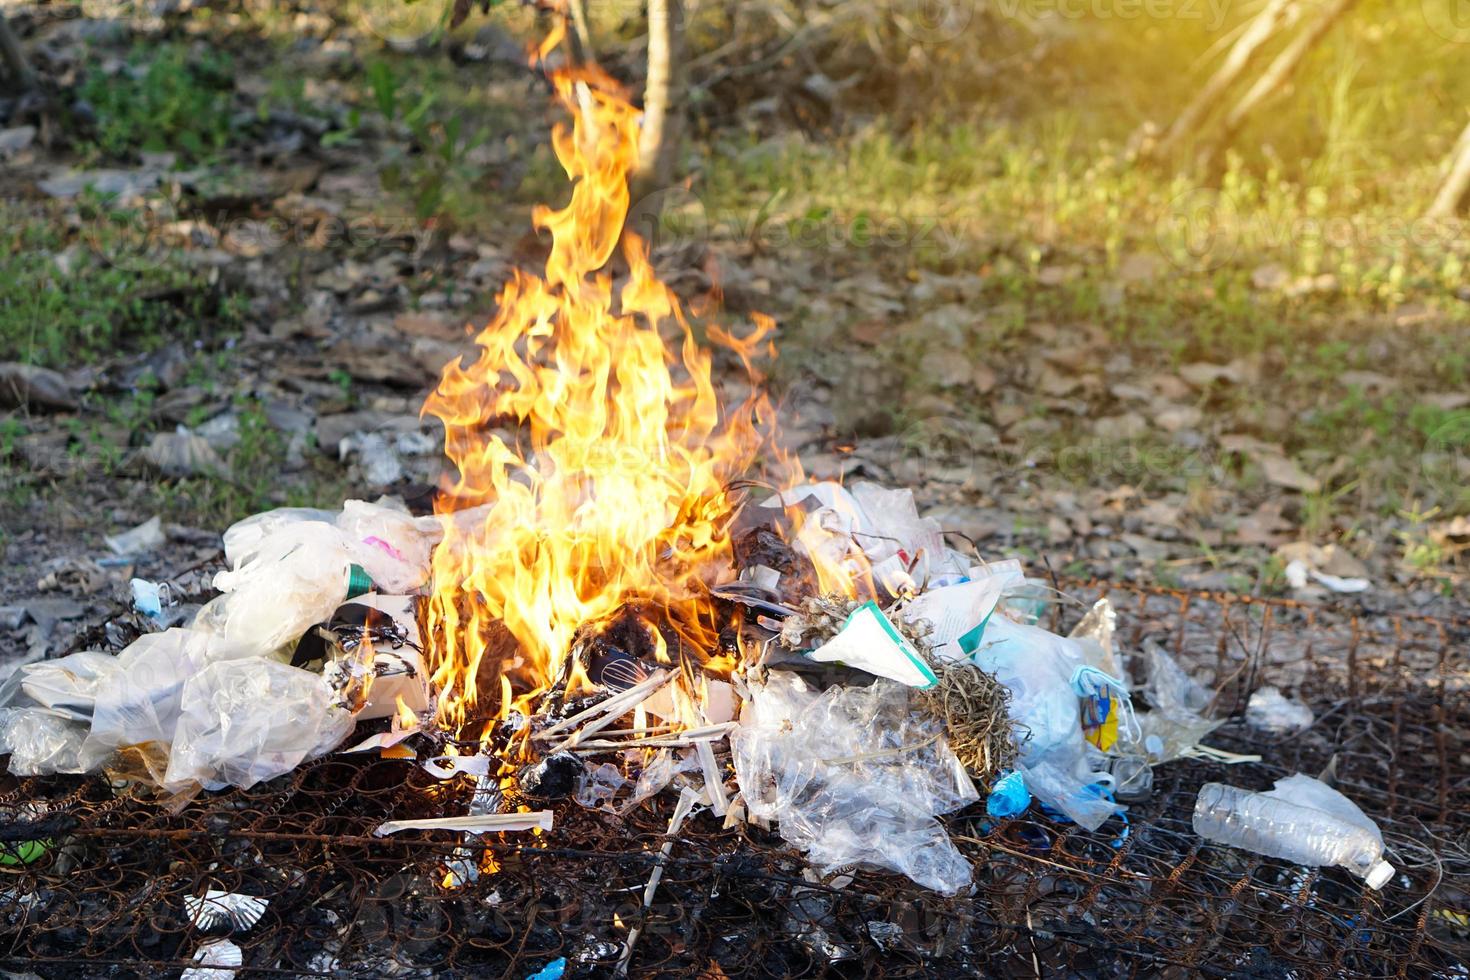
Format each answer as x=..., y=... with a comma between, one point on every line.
x=607, y=482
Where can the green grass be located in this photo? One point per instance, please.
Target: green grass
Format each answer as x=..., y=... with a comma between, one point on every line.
x=167, y=98
x=71, y=295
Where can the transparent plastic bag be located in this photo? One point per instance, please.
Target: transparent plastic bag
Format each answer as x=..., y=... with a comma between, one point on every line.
x=852, y=775
x=1178, y=720
x=1036, y=666
x=39, y=742
x=242, y=539
x=1094, y=636
x=244, y=721
x=391, y=544
x=138, y=703
x=293, y=580
x=68, y=685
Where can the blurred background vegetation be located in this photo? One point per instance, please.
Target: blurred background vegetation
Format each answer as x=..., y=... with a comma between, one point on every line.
x=958, y=210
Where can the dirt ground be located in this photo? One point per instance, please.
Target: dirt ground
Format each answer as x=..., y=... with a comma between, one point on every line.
x=252, y=316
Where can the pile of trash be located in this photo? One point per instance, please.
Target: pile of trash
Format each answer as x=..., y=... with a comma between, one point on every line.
x=854, y=722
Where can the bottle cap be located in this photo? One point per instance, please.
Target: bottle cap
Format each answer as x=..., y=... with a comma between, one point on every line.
x=1379, y=874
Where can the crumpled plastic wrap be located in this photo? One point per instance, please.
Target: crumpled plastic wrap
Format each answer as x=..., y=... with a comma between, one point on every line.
x=853, y=775
x=289, y=568
x=871, y=530
x=39, y=742
x=1272, y=712
x=1180, y=704
x=245, y=721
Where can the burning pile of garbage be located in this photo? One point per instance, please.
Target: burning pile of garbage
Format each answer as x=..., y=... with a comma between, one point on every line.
x=627, y=589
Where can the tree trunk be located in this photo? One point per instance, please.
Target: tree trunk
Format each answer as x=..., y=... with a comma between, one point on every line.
x=586, y=51
x=1261, y=30
x=1456, y=186
x=1279, y=72
x=663, y=98
x=13, y=58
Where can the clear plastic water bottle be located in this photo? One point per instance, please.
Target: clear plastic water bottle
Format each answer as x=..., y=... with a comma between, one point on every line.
x=1275, y=827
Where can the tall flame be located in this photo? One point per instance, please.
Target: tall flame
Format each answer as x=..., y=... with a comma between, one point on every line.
x=601, y=452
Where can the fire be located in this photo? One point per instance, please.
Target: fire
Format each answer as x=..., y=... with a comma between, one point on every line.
x=590, y=426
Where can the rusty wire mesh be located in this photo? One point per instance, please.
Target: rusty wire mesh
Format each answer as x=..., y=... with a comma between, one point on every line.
x=1392, y=693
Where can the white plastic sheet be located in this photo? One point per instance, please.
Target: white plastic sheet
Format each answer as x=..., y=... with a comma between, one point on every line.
x=245, y=721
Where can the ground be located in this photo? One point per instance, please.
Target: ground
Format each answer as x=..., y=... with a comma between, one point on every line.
x=247, y=237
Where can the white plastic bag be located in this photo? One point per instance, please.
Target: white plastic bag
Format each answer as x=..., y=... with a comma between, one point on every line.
x=852, y=775
x=1272, y=712
x=892, y=529
x=244, y=721
x=290, y=568
x=391, y=544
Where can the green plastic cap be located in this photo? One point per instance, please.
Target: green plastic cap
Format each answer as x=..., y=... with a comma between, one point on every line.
x=358, y=581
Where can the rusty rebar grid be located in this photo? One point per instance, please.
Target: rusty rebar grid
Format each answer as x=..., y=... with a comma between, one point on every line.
x=106, y=895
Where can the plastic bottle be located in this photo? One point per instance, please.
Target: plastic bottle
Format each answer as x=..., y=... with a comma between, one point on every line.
x=1274, y=827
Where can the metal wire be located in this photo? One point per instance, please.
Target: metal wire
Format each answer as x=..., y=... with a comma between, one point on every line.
x=107, y=875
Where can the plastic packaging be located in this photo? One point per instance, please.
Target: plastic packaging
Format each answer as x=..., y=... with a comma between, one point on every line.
x=244, y=721
x=1058, y=763
x=67, y=686
x=853, y=776
x=1178, y=720
x=869, y=642
x=292, y=580
x=956, y=615
x=290, y=568
x=1094, y=635
x=1037, y=667
x=1302, y=820
x=1270, y=711
x=892, y=529
x=905, y=552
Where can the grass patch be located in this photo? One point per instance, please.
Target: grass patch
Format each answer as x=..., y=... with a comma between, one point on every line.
x=74, y=295
x=168, y=98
